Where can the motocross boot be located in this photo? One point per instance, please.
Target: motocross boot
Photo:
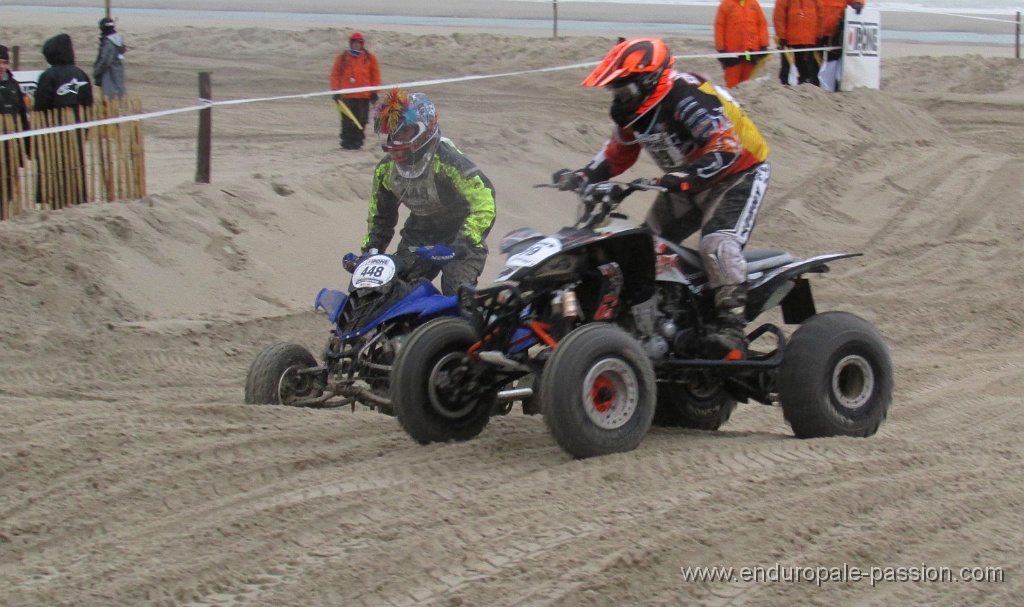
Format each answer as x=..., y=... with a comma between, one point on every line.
x=729, y=340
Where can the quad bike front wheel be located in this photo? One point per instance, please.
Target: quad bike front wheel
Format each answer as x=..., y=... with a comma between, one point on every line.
x=598, y=392
x=273, y=377
x=431, y=391
x=836, y=378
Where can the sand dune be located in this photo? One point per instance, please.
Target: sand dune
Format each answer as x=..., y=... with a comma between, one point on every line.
x=132, y=474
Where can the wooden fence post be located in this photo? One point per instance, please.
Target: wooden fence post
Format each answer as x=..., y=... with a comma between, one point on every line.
x=205, y=128
x=554, y=6
x=16, y=56
x=1017, y=53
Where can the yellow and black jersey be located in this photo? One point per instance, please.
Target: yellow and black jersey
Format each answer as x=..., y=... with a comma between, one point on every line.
x=698, y=128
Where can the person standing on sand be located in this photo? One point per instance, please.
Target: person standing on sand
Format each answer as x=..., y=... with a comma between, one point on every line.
x=830, y=76
x=798, y=26
x=12, y=103
x=355, y=67
x=740, y=27
x=64, y=85
x=831, y=12
x=108, y=70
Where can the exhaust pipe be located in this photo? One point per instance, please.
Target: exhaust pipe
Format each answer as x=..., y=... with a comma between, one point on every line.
x=507, y=396
x=497, y=358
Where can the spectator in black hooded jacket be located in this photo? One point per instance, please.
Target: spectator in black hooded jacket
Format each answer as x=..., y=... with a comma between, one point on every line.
x=64, y=85
x=12, y=103
x=12, y=100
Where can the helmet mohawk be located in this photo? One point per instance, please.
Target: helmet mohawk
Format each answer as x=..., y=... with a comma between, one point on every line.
x=393, y=112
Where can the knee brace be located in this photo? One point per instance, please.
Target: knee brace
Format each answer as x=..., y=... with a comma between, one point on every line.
x=723, y=259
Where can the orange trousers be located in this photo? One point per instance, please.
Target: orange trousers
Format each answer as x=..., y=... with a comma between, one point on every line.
x=735, y=74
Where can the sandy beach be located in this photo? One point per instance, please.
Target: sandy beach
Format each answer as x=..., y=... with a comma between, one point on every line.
x=131, y=472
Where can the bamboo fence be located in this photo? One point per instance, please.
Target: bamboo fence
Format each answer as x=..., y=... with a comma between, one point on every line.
x=58, y=170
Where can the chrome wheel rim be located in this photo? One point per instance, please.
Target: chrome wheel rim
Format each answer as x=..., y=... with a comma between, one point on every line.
x=853, y=382
x=611, y=393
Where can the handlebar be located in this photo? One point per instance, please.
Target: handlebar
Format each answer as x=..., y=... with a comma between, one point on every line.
x=437, y=254
x=643, y=183
x=604, y=194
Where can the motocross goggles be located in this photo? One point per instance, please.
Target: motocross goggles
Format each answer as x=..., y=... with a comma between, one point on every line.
x=626, y=94
x=406, y=141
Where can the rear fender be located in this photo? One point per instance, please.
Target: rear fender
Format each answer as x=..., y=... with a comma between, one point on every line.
x=778, y=285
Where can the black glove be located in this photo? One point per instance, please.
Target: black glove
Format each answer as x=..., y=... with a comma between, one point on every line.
x=568, y=179
x=857, y=6
x=680, y=181
x=461, y=248
x=373, y=97
x=823, y=41
x=730, y=61
x=336, y=98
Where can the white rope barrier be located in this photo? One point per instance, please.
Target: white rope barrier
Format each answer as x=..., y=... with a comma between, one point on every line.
x=960, y=15
x=204, y=104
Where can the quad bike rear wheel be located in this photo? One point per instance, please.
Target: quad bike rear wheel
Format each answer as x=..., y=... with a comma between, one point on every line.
x=430, y=389
x=836, y=378
x=273, y=377
x=598, y=391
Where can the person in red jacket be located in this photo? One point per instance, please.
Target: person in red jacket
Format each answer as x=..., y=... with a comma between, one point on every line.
x=740, y=27
x=355, y=67
x=831, y=12
x=798, y=26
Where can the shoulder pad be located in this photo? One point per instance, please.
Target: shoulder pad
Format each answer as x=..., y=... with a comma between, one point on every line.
x=450, y=155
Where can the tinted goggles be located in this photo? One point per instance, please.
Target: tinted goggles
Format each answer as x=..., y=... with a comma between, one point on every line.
x=626, y=93
x=402, y=143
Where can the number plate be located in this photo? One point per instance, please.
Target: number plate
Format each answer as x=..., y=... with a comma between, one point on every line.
x=535, y=254
x=374, y=271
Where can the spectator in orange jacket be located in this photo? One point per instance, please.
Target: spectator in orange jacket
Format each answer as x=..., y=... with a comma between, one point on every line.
x=355, y=67
x=831, y=12
x=740, y=27
x=798, y=26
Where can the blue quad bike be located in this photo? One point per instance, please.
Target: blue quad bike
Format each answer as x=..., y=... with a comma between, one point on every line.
x=370, y=324
x=613, y=324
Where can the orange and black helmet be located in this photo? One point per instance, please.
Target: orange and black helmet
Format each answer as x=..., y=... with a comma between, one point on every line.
x=637, y=71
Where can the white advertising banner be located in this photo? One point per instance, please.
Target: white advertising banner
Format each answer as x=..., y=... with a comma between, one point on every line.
x=27, y=80
x=862, y=40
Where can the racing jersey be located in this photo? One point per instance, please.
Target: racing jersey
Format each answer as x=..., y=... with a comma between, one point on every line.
x=698, y=127
x=452, y=197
